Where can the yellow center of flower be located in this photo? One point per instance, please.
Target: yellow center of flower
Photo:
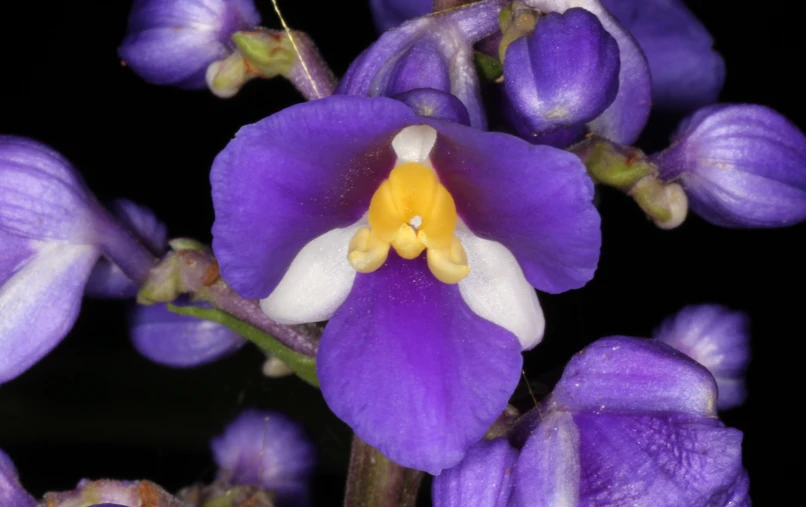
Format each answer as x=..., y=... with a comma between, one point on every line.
x=411, y=211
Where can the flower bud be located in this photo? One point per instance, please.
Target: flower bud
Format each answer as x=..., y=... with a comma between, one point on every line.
x=578, y=70
x=563, y=74
x=718, y=339
x=426, y=63
x=740, y=165
x=173, y=42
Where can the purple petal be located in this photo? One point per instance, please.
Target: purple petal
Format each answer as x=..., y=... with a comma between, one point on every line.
x=41, y=195
x=634, y=375
x=391, y=13
x=39, y=303
x=107, y=279
x=562, y=74
x=435, y=104
x=412, y=370
x=292, y=177
x=535, y=200
x=420, y=66
x=173, y=41
x=180, y=341
x=664, y=460
x=718, y=339
x=741, y=166
x=686, y=72
x=12, y=494
x=483, y=479
x=547, y=473
x=265, y=449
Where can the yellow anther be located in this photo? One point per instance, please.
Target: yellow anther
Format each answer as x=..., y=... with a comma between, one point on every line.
x=411, y=211
x=448, y=265
x=367, y=252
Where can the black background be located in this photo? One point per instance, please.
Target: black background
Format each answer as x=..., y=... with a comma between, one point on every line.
x=94, y=408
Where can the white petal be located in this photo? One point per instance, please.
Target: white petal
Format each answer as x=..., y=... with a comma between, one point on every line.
x=496, y=289
x=414, y=143
x=317, y=282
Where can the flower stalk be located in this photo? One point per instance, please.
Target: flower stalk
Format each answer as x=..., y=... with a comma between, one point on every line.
x=375, y=481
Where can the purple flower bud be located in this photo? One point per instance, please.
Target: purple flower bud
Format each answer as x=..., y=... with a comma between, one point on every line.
x=180, y=341
x=718, y=339
x=269, y=450
x=630, y=422
x=431, y=54
x=563, y=74
x=484, y=478
x=741, y=166
x=172, y=42
x=52, y=231
x=686, y=72
x=391, y=13
x=12, y=494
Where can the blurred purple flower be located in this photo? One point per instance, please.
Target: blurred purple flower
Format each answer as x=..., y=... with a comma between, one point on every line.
x=741, y=166
x=717, y=338
x=12, y=494
x=172, y=42
x=391, y=13
x=268, y=450
x=302, y=202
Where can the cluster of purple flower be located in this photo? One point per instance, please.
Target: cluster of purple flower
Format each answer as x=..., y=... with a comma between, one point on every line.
x=389, y=207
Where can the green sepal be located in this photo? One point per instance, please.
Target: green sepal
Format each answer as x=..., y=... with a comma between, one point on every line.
x=304, y=366
x=614, y=166
x=270, y=52
x=489, y=68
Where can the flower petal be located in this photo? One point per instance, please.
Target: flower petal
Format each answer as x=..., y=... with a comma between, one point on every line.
x=686, y=72
x=317, y=282
x=534, y=200
x=547, y=473
x=391, y=13
x=623, y=374
x=717, y=338
x=12, y=493
x=412, y=369
x=180, y=341
x=663, y=460
x=41, y=195
x=299, y=173
x=496, y=289
x=483, y=479
x=39, y=304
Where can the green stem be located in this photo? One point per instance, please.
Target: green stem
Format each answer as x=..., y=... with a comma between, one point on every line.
x=304, y=366
x=376, y=481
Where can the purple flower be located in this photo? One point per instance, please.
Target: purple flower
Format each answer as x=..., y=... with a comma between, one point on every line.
x=268, y=450
x=428, y=64
x=631, y=422
x=12, y=494
x=571, y=50
x=686, y=72
x=740, y=165
x=718, y=339
x=421, y=241
x=561, y=76
x=391, y=13
x=52, y=231
x=179, y=341
x=173, y=42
